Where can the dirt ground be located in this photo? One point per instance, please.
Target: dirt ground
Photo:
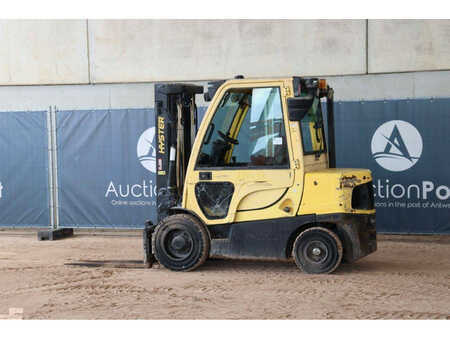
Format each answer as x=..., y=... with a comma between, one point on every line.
x=101, y=277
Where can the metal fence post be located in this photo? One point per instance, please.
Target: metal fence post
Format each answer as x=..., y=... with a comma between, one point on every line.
x=55, y=169
x=50, y=167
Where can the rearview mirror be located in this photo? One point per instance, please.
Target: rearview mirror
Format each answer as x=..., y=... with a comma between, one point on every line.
x=299, y=106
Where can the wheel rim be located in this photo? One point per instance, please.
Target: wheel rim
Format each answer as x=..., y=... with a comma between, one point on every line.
x=178, y=244
x=316, y=252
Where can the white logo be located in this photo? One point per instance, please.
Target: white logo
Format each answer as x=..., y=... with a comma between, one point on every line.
x=1, y=189
x=396, y=145
x=146, y=152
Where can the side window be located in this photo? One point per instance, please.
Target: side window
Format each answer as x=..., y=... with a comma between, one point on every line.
x=312, y=130
x=247, y=130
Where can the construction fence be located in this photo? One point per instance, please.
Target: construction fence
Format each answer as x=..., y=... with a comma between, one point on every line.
x=96, y=168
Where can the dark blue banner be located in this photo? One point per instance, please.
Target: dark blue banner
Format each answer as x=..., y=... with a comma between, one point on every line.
x=406, y=145
x=24, y=198
x=106, y=164
x=106, y=167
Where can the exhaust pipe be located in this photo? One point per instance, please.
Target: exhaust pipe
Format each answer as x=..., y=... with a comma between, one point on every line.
x=331, y=137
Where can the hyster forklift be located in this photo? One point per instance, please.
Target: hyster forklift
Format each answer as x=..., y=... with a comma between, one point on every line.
x=256, y=179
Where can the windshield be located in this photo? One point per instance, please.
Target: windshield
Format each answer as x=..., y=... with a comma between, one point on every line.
x=247, y=130
x=312, y=130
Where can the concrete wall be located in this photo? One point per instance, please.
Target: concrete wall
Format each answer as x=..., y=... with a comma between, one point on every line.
x=162, y=50
x=141, y=95
x=414, y=85
x=102, y=96
x=408, y=45
x=43, y=52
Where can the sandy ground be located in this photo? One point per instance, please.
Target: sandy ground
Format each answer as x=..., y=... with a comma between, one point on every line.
x=101, y=277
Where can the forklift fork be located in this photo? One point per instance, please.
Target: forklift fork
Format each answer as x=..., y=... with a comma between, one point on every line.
x=149, y=258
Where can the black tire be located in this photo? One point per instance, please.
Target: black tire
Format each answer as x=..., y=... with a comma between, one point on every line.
x=317, y=250
x=181, y=243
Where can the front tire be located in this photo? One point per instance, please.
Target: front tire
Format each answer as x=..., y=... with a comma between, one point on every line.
x=317, y=250
x=181, y=243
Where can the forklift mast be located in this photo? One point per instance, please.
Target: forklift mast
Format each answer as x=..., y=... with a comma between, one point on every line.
x=176, y=127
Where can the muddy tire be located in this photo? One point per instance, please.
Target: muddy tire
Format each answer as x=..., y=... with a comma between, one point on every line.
x=181, y=243
x=317, y=250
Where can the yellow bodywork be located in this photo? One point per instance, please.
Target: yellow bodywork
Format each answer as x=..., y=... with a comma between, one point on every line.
x=329, y=191
x=306, y=187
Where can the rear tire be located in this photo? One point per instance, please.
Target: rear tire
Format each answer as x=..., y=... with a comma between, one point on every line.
x=181, y=243
x=317, y=250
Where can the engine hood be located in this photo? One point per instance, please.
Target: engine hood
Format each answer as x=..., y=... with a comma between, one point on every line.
x=330, y=190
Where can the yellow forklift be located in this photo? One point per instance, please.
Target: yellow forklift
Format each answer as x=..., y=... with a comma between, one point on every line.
x=256, y=179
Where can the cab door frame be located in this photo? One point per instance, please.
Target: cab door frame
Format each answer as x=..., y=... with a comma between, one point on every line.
x=250, y=180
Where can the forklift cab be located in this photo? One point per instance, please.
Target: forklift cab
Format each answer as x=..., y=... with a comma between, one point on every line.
x=250, y=160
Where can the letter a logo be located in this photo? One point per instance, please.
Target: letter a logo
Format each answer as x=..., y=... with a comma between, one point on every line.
x=396, y=145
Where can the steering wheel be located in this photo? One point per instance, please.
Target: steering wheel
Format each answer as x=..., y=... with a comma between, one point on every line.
x=227, y=138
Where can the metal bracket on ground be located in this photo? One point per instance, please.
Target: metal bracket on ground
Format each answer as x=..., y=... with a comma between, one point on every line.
x=54, y=234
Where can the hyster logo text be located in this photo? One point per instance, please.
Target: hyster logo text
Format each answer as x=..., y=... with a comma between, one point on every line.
x=146, y=151
x=396, y=145
x=161, y=139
